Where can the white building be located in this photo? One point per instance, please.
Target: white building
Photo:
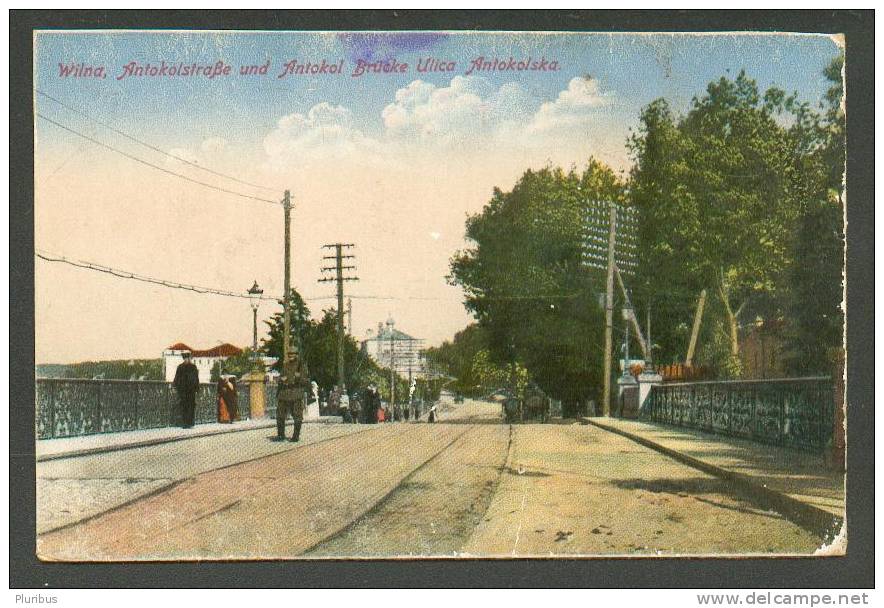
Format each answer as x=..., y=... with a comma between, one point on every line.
x=203, y=359
x=389, y=346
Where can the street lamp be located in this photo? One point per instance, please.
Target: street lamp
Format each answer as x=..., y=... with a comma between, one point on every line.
x=255, y=294
x=390, y=324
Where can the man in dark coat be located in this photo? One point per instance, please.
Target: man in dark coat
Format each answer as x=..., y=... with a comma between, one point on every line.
x=186, y=383
x=370, y=405
x=293, y=384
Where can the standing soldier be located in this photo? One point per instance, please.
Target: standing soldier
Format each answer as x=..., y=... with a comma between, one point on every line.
x=292, y=386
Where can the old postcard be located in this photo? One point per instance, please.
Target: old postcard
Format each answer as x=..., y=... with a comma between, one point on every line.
x=429, y=294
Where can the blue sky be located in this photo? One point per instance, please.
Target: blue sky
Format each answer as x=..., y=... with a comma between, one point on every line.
x=635, y=68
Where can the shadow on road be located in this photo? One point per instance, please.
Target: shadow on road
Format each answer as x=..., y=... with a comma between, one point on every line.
x=697, y=488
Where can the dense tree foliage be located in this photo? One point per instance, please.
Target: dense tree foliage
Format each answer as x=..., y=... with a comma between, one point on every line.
x=741, y=196
x=455, y=359
x=526, y=284
x=733, y=198
x=318, y=341
x=813, y=302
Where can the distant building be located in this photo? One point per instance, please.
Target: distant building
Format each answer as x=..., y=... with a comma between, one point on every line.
x=389, y=346
x=203, y=359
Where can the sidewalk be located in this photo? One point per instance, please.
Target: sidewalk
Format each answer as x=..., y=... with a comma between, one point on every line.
x=798, y=483
x=69, y=447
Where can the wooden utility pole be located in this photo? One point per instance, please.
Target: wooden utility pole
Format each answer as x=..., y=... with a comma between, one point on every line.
x=609, y=311
x=698, y=317
x=286, y=298
x=339, y=278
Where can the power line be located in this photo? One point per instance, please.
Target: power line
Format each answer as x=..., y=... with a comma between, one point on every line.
x=149, y=146
x=157, y=167
x=125, y=274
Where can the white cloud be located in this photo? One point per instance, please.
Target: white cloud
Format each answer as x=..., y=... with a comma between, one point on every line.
x=575, y=105
x=325, y=131
x=471, y=111
x=468, y=114
x=467, y=107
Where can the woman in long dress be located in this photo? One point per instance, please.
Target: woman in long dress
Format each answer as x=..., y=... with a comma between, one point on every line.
x=227, y=400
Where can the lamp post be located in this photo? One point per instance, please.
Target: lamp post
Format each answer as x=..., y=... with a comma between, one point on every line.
x=390, y=324
x=255, y=294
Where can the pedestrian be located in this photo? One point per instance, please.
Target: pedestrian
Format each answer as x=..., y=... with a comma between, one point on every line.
x=293, y=385
x=431, y=417
x=355, y=408
x=371, y=405
x=227, y=399
x=186, y=383
x=344, y=405
x=333, y=401
x=406, y=412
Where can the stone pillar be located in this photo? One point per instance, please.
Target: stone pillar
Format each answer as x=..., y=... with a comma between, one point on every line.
x=627, y=397
x=646, y=380
x=256, y=394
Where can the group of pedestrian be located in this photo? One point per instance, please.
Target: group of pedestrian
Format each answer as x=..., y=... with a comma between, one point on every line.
x=291, y=399
x=186, y=384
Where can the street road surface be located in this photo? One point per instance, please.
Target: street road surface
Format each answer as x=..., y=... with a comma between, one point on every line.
x=469, y=486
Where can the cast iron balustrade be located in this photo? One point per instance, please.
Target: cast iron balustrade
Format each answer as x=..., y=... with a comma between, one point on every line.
x=793, y=412
x=68, y=407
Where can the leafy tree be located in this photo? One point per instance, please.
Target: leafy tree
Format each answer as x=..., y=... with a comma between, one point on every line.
x=318, y=342
x=525, y=282
x=491, y=376
x=238, y=365
x=815, y=288
x=724, y=192
x=455, y=359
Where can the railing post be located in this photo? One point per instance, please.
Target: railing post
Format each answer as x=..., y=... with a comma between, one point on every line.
x=52, y=410
x=753, y=416
x=97, y=424
x=135, y=403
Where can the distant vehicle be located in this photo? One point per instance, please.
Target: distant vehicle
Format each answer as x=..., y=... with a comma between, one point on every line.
x=536, y=404
x=512, y=410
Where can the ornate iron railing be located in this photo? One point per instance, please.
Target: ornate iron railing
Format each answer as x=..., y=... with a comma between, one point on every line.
x=68, y=407
x=795, y=412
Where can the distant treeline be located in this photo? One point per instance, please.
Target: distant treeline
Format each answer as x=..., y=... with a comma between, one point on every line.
x=126, y=369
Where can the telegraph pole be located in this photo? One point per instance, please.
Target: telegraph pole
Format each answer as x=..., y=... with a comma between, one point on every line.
x=286, y=298
x=609, y=311
x=339, y=278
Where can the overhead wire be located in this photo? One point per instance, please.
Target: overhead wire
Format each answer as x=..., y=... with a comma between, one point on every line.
x=150, y=146
x=125, y=274
x=157, y=167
